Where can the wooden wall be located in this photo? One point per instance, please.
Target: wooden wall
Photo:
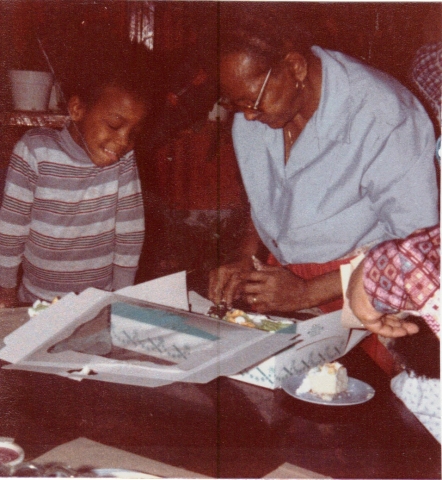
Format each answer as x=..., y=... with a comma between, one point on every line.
x=385, y=34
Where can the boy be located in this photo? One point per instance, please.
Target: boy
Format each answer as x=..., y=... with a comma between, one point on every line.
x=72, y=211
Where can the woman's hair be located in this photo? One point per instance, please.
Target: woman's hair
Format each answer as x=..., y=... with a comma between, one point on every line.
x=264, y=34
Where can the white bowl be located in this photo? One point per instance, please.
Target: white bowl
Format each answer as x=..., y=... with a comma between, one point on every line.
x=4, y=454
x=30, y=90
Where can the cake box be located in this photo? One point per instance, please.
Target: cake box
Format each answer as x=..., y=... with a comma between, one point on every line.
x=157, y=333
x=324, y=339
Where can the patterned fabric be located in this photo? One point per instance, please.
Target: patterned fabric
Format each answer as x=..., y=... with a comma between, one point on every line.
x=427, y=75
x=404, y=275
x=422, y=397
x=71, y=224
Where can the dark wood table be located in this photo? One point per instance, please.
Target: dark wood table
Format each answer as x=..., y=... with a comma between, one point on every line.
x=225, y=428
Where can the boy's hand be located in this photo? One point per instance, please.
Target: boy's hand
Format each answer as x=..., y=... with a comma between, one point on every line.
x=8, y=297
x=391, y=326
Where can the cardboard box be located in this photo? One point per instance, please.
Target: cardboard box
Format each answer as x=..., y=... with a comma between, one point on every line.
x=324, y=339
x=74, y=339
x=146, y=335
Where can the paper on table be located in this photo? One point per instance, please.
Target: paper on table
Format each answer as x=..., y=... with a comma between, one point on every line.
x=287, y=470
x=170, y=291
x=84, y=452
x=349, y=319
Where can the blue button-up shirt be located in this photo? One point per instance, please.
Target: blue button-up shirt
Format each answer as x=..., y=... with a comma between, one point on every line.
x=361, y=171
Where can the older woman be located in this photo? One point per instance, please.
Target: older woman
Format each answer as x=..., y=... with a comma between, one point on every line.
x=335, y=156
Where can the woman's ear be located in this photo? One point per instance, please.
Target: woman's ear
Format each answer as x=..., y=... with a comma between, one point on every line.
x=76, y=108
x=297, y=64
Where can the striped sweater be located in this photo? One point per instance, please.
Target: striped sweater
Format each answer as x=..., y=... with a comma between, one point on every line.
x=71, y=224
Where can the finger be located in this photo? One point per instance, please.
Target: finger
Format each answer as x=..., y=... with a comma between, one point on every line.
x=400, y=327
x=410, y=327
x=391, y=326
x=214, y=286
x=376, y=327
x=251, y=289
x=392, y=332
x=231, y=290
x=218, y=279
x=263, y=274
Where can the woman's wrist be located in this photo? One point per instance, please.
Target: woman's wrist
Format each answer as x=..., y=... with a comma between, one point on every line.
x=322, y=289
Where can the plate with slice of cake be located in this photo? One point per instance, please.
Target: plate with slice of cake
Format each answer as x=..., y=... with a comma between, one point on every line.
x=328, y=384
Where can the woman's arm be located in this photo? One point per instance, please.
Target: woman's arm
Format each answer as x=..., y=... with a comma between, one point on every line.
x=278, y=289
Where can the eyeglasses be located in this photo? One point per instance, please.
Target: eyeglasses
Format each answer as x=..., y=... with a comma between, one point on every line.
x=247, y=108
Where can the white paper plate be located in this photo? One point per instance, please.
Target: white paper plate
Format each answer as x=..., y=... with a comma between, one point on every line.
x=357, y=392
x=121, y=473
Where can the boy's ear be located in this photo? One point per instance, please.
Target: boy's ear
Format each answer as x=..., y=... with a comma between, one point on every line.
x=76, y=108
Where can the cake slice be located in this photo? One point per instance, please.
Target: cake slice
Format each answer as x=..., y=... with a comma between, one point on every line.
x=325, y=381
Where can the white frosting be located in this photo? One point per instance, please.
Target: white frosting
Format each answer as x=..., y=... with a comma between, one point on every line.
x=325, y=381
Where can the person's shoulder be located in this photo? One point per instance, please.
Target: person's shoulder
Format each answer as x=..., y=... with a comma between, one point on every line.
x=367, y=83
x=377, y=94
x=42, y=144
x=40, y=137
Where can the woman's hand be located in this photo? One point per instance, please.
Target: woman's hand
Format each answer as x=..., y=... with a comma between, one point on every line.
x=278, y=289
x=225, y=282
x=274, y=289
x=387, y=325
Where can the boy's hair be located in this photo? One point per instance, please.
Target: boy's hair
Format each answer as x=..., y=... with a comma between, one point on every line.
x=110, y=63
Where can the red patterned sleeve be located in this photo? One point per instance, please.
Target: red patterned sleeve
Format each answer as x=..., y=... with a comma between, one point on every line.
x=404, y=274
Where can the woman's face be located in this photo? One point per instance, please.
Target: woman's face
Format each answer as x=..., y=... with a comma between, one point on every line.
x=242, y=81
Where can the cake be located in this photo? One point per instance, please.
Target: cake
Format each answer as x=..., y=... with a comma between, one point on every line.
x=325, y=381
x=246, y=319
x=40, y=305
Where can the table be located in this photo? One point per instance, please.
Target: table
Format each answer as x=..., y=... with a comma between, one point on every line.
x=225, y=428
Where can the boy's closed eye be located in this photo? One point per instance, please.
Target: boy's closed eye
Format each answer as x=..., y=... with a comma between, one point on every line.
x=114, y=126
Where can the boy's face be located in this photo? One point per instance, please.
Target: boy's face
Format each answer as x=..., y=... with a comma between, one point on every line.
x=107, y=129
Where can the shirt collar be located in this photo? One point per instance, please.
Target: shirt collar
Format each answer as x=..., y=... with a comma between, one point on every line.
x=72, y=148
x=332, y=118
